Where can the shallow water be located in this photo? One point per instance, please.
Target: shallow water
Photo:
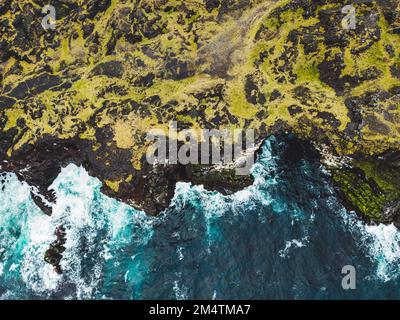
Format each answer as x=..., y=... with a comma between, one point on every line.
x=286, y=236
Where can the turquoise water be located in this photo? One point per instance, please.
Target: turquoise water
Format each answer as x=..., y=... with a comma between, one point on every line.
x=286, y=236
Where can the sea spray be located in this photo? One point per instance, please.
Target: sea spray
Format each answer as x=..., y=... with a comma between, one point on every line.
x=23, y=240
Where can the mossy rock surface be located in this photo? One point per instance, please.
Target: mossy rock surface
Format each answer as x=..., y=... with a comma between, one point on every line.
x=89, y=91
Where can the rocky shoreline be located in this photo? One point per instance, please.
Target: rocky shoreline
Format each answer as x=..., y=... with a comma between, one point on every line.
x=89, y=91
x=154, y=186
x=153, y=191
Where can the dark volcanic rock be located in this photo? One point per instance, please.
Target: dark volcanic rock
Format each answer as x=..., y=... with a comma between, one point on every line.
x=112, y=69
x=35, y=85
x=53, y=255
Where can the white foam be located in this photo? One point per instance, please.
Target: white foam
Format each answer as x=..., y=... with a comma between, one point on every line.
x=179, y=252
x=25, y=249
x=294, y=243
x=180, y=291
x=84, y=217
x=380, y=242
x=385, y=249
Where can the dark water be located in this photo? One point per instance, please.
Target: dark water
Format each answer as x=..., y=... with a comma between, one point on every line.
x=287, y=236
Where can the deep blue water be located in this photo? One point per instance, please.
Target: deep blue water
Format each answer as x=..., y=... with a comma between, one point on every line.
x=286, y=236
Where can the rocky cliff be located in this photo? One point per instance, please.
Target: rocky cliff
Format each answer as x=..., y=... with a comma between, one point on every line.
x=88, y=91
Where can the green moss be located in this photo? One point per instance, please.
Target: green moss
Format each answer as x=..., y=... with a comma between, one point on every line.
x=359, y=194
x=274, y=43
x=370, y=185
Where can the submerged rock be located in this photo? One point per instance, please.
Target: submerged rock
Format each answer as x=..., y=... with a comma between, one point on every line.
x=53, y=255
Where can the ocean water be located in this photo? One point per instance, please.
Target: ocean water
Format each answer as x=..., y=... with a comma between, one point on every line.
x=285, y=237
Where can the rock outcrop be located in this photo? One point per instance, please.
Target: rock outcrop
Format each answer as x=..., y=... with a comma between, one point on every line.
x=89, y=91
